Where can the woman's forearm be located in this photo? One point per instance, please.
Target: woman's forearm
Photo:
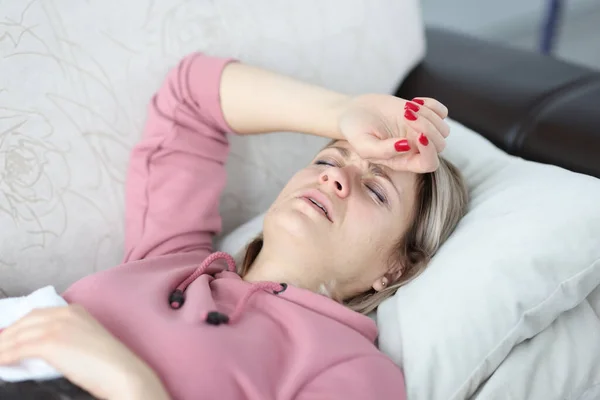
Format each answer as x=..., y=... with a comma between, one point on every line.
x=144, y=385
x=255, y=100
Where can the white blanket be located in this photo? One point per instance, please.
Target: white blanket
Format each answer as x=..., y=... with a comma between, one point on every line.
x=11, y=310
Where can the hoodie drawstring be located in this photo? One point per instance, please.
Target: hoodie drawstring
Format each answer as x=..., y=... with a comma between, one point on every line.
x=217, y=318
x=177, y=297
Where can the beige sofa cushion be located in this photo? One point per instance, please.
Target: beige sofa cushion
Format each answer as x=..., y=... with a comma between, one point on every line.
x=75, y=81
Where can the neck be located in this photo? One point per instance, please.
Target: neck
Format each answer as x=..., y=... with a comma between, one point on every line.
x=268, y=267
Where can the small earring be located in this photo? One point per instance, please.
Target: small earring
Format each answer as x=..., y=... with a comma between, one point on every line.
x=383, y=283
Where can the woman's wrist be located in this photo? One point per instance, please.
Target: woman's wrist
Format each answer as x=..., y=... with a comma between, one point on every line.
x=329, y=126
x=255, y=100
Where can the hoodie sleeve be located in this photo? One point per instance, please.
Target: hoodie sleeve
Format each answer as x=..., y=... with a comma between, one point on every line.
x=374, y=377
x=176, y=172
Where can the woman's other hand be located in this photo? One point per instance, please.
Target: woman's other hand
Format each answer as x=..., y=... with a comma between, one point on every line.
x=403, y=135
x=78, y=346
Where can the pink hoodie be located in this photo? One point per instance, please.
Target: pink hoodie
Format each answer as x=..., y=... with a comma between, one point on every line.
x=205, y=331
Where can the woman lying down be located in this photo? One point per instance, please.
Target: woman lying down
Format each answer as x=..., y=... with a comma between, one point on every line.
x=179, y=321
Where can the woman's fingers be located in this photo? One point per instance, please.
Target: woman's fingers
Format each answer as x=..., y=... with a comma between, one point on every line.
x=38, y=322
x=421, y=159
x=27, y=344
x=427, y=160
x=26, y=337
x=419, y=123
x=437, y=107
x=422, y=111
x=32, y=318
x=377, y=128
x=419, y=119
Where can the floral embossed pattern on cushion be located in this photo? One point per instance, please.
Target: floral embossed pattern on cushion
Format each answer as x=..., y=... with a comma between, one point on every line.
x=75, y=79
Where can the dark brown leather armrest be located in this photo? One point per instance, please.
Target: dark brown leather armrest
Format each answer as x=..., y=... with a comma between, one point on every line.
x=530, y=105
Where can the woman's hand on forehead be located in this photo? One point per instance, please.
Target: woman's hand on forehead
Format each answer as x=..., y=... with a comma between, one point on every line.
x=400, y=134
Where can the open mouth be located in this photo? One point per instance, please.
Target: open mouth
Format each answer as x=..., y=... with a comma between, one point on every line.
x=318, y=206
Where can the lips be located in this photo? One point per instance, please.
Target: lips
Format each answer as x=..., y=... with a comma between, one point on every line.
x=319, y=201
x=316, y=206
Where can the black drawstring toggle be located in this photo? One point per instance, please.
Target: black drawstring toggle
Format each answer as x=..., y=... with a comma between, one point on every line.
x=283, y=287
x=216, y=318
x=176, y=299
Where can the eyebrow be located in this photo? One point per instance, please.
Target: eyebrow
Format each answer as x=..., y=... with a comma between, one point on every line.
x=374, y=168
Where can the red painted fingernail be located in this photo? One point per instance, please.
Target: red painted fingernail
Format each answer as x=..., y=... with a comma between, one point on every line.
x=423, y=139
x=411, y=106
x=418, y=101
x=409, y=115
x=402, y=145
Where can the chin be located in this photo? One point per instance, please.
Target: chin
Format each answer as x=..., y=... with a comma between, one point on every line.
x=293, y=226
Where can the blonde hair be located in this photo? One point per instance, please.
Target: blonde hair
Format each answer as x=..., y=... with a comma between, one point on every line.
x=441, y=201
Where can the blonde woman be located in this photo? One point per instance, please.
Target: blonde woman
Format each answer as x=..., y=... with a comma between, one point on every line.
x=178, y=321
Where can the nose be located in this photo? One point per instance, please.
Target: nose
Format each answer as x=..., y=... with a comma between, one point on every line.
x=337, y=181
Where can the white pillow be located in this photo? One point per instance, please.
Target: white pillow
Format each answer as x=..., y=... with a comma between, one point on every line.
x=561, y=362
x=528, y=250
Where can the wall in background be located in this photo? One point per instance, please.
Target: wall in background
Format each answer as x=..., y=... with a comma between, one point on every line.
x=518, y=23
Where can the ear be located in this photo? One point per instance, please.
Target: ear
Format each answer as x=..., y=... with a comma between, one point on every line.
x=381, y=283
x=384, y=281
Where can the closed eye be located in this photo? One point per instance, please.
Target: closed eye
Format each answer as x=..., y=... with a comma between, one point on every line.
x=323, y=162
x=379, y=196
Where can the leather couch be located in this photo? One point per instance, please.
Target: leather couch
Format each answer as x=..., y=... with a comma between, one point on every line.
x=530, y=105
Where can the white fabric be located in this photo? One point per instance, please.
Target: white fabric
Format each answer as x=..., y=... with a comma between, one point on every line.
x=528, y=250
x=76, y=78
x=11, y=310
x=561, y=362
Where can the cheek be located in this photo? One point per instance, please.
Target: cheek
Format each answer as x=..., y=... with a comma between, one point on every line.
x=369, y=223
x=365, y=212
x=302, y=179
x=364, y=221
x=363, y=224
